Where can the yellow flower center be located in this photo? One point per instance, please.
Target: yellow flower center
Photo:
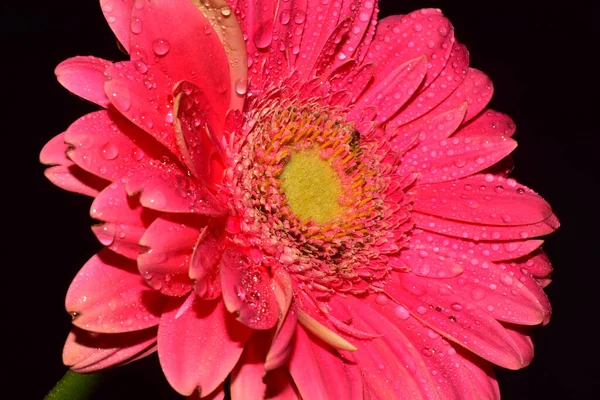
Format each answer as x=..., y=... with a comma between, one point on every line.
x=311, y=186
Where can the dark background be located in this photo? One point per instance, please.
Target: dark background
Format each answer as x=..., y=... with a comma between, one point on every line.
x=542, y=60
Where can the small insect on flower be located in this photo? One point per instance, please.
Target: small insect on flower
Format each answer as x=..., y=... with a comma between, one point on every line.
x=304, y=198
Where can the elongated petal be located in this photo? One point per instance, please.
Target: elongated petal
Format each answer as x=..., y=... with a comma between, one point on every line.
x=64, y=173
x=165, y=187
x=450, y=78
x=124, y=220
x=84, y=76
x=313, y=362
x=247, y=376
x=109, y=296
x=118, y=16
x=489, y=122
x=166, y=262
x=190, y=340
x=107, y=145
x=205, y=260
x=478, y=199
x=466, y=325
x=86, y=352
x=247, y=291
x=475, y=231
x=161, y=36
x=455, y=158
x=424, y=264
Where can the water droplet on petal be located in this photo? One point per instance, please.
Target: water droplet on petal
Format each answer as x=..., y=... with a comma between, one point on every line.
x=160, y=47
x=401, y=312
x=109, y=151
x=136, y=25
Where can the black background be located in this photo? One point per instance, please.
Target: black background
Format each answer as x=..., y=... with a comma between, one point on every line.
x=542, y=60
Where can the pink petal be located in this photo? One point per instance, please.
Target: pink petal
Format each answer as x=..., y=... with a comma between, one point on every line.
x=198, y=133
x=124, y=220
x=190, y=342
x=444, y=85
x=424, y=264
x=161, y=36
x=118, y=16
x=247, y=376
x=537, y=265
x=86, y=352
x=489, y=122
x=280, y=349
x=482, y=199
x=64, y=173
x=401, y=38
x=164, y=187
x=313, y=364
x=319, y=22
x=441, y=308
x=500, y=293
x=476, y=89
x=109, y=296
x=356, y=81
x=144, y=96
x=204, y=266
x=362, y=30
x=166, y=263
x=392, y=92
x=400, y=366
x=468, y=252
x=476, y=232
x=518, y=270
x=433, y=127
x=247, y=291
x=453, y=380
x=84, y=76
x=280, y=386
x=455, y=158
x=109, y=146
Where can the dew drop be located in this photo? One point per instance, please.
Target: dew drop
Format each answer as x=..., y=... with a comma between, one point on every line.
x=401, y=313
x=241, y=86
x=109, y=151
x=381, y=299
x=160, y=47
x=136, y=25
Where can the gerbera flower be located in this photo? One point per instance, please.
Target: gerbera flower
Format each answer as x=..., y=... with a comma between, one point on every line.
x=297, y=195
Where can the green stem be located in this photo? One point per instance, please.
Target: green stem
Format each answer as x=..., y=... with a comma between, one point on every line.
x=74, y=386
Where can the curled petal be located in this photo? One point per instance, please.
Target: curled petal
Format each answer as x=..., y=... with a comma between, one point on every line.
x=109, y=296
x=247, y=291
x=84, y=76
x=86, y=352
x=190, y=341
x=118, y=16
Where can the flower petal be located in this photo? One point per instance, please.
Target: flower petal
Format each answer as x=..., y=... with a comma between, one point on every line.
x=118, y=16
x=190, y=341
x=489, y=122
x=392, y=92
x=144, y=96
x=109, y=296
x=86, y=352
x=84, y=76
x=482, y=199
x=161, y=36
x=455, y=158
x=423, y=264
x=431, y=302
x=280, y=349
x=125, y=220
x=204, y=266
x=64, y=173
x=164, y=187
x=247, y=291
x=477, y=232
x=313, y=363
x=444, y=85
x=166, y=263
x=107, y=145
x=247, y=376
x=468, y=252
x=198, y=133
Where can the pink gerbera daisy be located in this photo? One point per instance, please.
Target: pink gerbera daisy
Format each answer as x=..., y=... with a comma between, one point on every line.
x=301, y=197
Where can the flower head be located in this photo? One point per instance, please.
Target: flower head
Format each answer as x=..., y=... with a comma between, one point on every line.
x=303, y=197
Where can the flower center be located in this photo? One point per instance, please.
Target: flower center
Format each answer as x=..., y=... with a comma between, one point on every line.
x=312, y=186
